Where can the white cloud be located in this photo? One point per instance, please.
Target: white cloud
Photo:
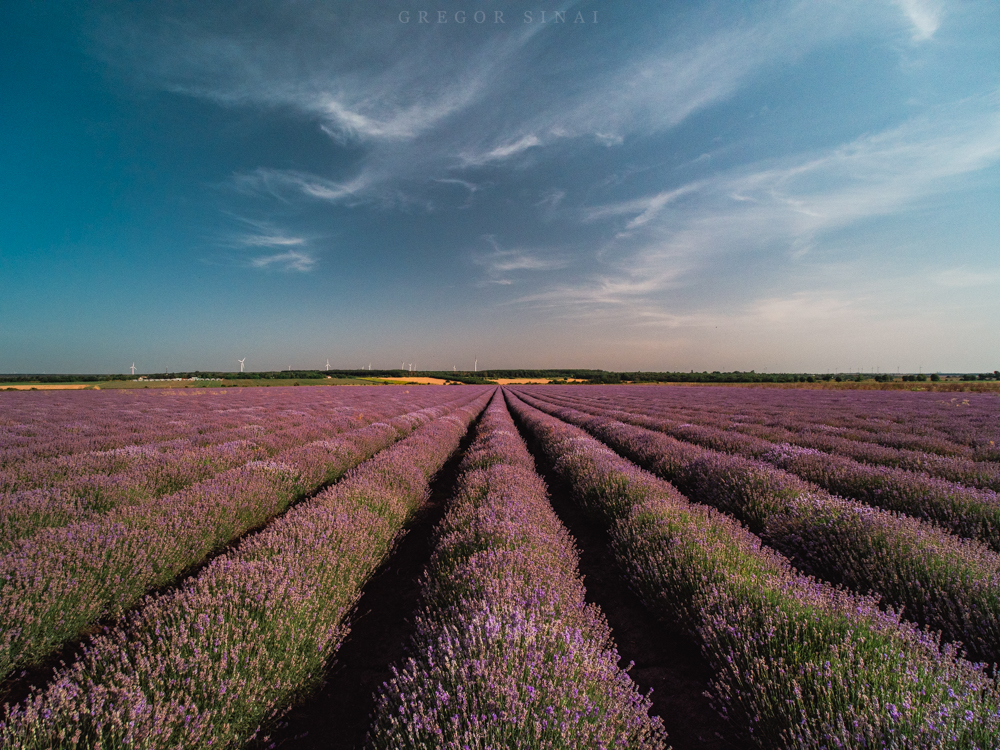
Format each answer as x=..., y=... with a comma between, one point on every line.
x=260, y=240
x=518, y=260
x=552, y=198
x=288, y=252
x=282, y=184
x=597, y=294
x=292, y=260
x=499, y=263
x=791, y=202
x=500, y=153
x=646, y=208
x=388, y=119
x=923, y=15
x=780, y=213
x=470, y=186
x=660, y=86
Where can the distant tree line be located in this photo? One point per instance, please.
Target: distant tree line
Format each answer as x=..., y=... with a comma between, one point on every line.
x=37, y=378
x=484, y=377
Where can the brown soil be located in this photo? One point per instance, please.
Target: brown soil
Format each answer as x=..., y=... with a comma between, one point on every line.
x=339, y=715
x=665, y=660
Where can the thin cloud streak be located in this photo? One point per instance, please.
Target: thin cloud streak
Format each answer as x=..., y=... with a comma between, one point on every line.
x=924, y=15
x=268, y=241
x=292, y=260
x=582, y=154
x=500, y=262
x=500, y=153
x=287, y=184
x=386, y=109
x=783, y=210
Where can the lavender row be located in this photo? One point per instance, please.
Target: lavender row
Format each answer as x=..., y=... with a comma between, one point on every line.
x=507, y=653
x=65, y=470
x=61, y=423
x=798, y=664
x=982, y=474
x=921, y=422
x=918, y=423
x=938, y=580
x=812, y=419
x=796, y=431
x=218, y=420
x=965, y=511
x=60, y=581
x=34, y=426
x=206, y=665
x=147, y=472
x=54, y=424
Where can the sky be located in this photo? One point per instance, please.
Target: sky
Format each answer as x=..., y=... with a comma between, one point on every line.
x=805, y=186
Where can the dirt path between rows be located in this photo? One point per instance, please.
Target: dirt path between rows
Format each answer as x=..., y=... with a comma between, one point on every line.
x=667, y=661
x=339, y=715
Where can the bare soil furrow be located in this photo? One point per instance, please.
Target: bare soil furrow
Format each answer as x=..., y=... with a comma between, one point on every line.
x=665, y=659
x=338, y=716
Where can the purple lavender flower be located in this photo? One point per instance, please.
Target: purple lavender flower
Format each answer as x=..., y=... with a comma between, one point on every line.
x=798, y=663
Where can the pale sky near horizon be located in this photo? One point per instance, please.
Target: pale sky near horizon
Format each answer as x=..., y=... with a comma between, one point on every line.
x=806, y=186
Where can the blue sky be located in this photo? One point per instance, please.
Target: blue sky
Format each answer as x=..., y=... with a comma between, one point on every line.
x=778, y=186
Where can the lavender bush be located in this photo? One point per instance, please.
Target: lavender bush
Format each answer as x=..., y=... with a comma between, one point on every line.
x=966, y=511
x=58, y=582
x=205, y=665
x=930, y=423
x=937, y=580
x=58, y=424
x=506, y=651
x=45, y=492
x=799, y=664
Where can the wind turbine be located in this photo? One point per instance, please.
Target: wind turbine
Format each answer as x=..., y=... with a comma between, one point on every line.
x=328, y=365
x=241, y=361
x=133, y=368
x=475, y=367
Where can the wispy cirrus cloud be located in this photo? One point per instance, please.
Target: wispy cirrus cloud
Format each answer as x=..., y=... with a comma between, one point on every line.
x=266, y=246
x=443, y=103
x=268, y=240
x=667, y=80
x=444, y=119
x=501, y=153
x=290, y=260
x=285, y=184
x=874, y=175
x=691, y=236
x=501, y=263
x=924, y=15
x=643, y=209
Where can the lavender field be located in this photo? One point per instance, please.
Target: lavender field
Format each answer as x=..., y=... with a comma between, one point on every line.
x=590, y=567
